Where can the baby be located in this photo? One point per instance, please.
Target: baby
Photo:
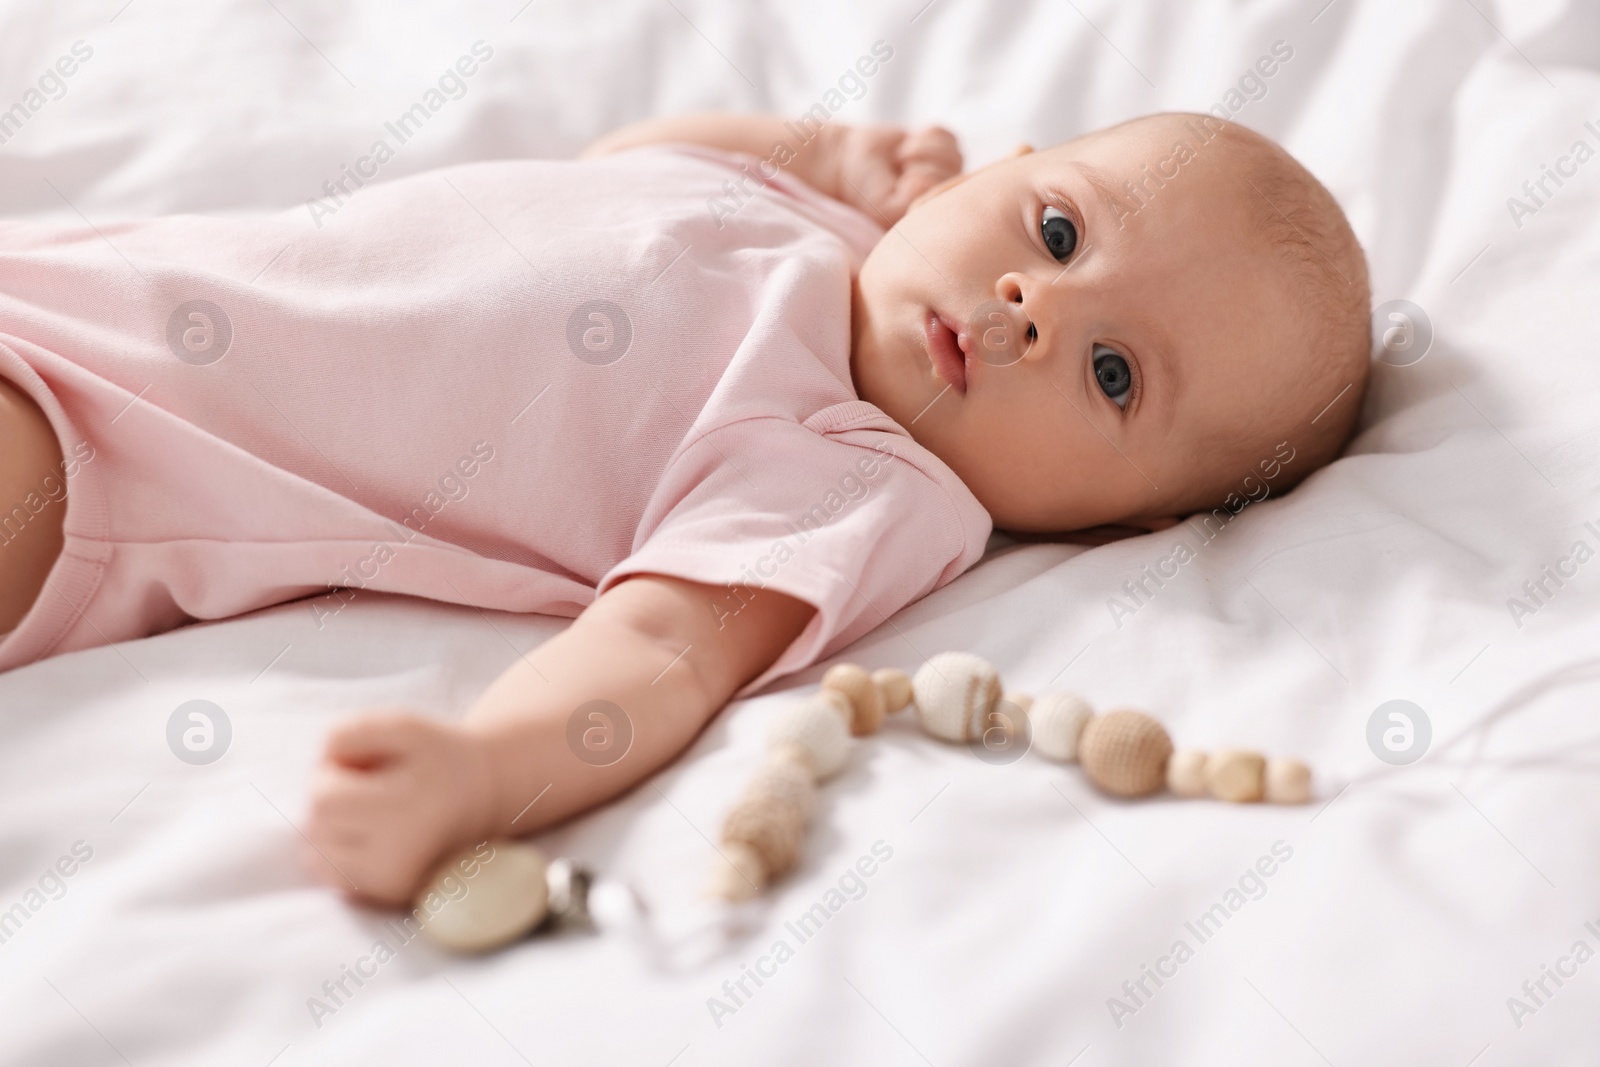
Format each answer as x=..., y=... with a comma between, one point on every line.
x=687, y=389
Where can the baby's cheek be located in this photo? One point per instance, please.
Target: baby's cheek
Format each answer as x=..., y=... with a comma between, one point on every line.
x=1010, y=456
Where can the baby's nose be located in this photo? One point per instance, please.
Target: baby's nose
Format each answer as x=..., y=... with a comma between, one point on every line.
x=997, y=332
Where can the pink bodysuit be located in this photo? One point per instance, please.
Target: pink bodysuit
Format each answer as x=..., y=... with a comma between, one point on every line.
x=506, y=384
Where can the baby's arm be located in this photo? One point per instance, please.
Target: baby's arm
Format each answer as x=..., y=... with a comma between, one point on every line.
x=397, y=790
x=879, y=170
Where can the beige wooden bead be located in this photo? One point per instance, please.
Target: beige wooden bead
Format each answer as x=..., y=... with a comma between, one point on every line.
x=1125, y=752
x=1057, y=720
x=1186, y=773
x=1021, y=701
x=740, y=873
x=816, y=727
x=954, y=693
x=865, y=698
x=1236, y=774
x=507, y=897
x=895, y=685
x=1288, y=781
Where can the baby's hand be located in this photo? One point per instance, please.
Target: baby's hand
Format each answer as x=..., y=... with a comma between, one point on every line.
x=882, y=169
x=394, y=791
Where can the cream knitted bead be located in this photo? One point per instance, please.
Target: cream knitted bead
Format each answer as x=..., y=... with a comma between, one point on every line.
x=1236, y=774
x=954, y=693
x=791, y=753
x=895, y=685
x=866, y=700
x=1288, y=781
x=1058, y=720
x=507, y=897
x=816, y=726
x=1186, y=773
x=1125, y=752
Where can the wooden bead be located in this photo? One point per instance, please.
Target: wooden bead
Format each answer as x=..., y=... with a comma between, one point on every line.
x=740, y=873
x=1021, y=701
x=815, y=727
x=838, y=703
x=1288, y=781
x=507, y=897
x=895, y=685
x=1125, y=752
x=954, y=693
x=1186, y=773
x=862, y=693
x=1058, y=720
x=1236, y=774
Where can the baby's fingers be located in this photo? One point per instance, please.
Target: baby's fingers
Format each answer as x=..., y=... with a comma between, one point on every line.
x=934, y=148
x=374, y=739
x=926, y=158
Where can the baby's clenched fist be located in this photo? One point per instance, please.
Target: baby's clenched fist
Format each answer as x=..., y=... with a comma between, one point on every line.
x=394, y=791
x=880, y=170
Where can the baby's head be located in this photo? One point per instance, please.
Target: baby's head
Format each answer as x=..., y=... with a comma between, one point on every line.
x=1121, y=329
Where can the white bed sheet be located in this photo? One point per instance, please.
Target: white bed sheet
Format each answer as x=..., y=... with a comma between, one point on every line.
x=1017, y=901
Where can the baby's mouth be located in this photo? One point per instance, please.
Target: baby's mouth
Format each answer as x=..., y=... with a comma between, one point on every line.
x=945, y=351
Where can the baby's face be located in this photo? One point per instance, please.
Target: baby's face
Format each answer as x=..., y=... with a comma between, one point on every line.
x=1108, y=340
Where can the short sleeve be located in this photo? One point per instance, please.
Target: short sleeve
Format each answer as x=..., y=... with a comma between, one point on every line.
x=845, y=512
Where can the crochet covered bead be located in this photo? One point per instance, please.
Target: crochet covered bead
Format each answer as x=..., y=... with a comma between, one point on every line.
x=762, y=835
x=1057, y=720
x=954, y=693
x=787, y=781
x=769, y=827
x=1125, y=752
x=816, y=727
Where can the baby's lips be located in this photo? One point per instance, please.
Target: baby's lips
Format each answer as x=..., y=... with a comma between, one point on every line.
x=996, y=332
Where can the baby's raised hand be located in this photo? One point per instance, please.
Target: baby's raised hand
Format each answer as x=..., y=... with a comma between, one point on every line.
x=882, y=169
x=395, y=790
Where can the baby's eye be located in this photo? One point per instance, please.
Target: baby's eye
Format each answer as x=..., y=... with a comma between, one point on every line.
x=1112, y=372
x=1060, y=235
